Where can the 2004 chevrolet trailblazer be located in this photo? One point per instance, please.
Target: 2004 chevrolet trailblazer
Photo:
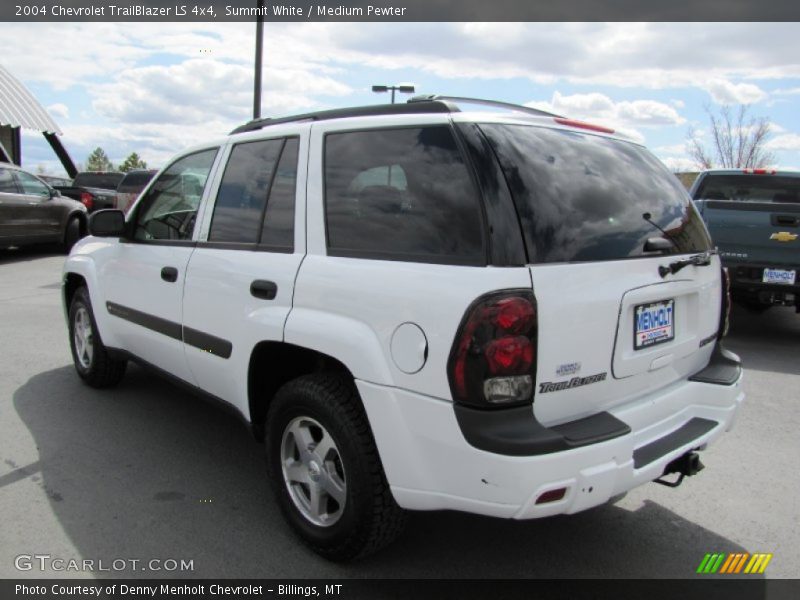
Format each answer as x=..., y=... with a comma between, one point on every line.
x=516, y=314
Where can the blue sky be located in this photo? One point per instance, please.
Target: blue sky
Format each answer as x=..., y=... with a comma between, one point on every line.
x=157, y=88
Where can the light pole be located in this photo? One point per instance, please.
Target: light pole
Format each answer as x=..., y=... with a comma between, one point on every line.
x=259, y=52
x=403, y=89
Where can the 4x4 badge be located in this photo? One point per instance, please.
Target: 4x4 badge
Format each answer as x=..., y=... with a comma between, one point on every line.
x=783, y=236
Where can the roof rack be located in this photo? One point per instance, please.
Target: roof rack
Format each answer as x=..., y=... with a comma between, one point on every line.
x=482, y=102
x=432, y=103
x=358, y=111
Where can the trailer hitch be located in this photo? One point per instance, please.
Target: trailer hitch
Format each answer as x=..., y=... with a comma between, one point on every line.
x=688, y=464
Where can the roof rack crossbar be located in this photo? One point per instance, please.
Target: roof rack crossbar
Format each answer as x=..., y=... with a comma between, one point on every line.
x=434, y=106
x=481, y=101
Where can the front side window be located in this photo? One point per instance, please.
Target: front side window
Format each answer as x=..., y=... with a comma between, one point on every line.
x=169, y=210
x=583, y=197
x=401, y=194
x=31, y=185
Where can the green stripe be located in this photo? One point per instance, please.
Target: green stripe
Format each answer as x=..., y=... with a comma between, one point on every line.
x=701, y=568
x=718, y=564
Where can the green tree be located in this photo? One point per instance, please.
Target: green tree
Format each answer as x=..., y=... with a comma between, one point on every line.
x=98, y=161
x=132, y=162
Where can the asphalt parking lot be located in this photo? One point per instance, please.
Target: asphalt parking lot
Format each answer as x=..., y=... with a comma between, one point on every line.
x=147, y=471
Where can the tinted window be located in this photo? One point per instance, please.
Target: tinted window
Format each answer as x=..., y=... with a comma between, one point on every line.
x=243, y=192
x=31, y=185
x=135, y=182
x=401, y=194
x=582, y=197
x=106, y=181
x=8, y=184
x=169, y=210
x=758, y=188
x=278, y=231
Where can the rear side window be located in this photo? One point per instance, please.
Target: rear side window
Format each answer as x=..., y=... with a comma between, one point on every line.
x=106, y=181
x=278, y=230
x=8, y=184
x=751, y=188
x=401, y=194
x=255, y=202
x=582, y=197
x=243, y=192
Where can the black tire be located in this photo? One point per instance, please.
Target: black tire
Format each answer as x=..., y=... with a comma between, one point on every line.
x=96, y=367
x=72, y=234
x=370, y=518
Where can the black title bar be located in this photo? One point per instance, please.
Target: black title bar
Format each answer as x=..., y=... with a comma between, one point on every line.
x=397, y=10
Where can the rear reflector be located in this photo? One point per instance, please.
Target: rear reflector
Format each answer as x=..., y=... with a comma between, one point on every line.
x=582, y=125
x=552, y=496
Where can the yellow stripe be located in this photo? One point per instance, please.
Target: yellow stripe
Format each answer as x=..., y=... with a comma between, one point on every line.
x=727, y=563
x=749, y=566
x=742, y=560
x=759, y=558
x=767, y=558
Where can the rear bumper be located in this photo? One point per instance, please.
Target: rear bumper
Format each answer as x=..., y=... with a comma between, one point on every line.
x=747, y=277
x=431, y=465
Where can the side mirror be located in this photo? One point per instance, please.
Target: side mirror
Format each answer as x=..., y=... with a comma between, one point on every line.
x=107, y=223
x=54, y=193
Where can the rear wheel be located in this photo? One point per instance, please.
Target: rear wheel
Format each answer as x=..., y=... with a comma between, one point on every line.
x=72, y=234
x=90, y=357
x=326, y=472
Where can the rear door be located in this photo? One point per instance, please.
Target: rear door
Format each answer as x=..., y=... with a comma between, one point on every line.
x=611, y=327
x=240, y=280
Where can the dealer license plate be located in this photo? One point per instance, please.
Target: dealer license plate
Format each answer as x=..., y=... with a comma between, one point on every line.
x=653, y=323
x=784, y=276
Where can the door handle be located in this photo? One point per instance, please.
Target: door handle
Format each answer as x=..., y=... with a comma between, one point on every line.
x=169, y=274
x=266, y=290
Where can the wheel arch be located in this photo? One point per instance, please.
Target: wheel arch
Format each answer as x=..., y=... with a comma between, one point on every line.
x=284, y=362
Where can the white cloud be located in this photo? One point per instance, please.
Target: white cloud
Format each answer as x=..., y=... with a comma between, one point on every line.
x=679, y=164
x=624, y=116
x=786, y=141
x=724, y=92
x=674, y=149
x=58, y=110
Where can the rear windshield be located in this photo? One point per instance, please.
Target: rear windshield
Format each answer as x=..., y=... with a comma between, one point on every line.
x=583, y=197
x=106, y=181
x=753, y=188
x=135, y=182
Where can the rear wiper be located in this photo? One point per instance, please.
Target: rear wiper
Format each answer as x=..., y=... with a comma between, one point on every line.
x=698, y=260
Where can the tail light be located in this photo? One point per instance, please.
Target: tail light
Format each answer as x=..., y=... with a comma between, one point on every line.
x=725, y=311
x=493, y=360
x=87, y=199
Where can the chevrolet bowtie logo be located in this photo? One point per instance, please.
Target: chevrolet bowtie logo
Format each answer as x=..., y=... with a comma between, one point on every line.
x=783, y=236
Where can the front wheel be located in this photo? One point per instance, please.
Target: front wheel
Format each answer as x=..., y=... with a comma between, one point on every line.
x=91, y=358
x=325, y=469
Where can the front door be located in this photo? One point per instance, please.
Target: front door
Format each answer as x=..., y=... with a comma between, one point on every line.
x=146, y=276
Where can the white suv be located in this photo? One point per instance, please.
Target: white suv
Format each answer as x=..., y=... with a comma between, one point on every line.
x=511, y=314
